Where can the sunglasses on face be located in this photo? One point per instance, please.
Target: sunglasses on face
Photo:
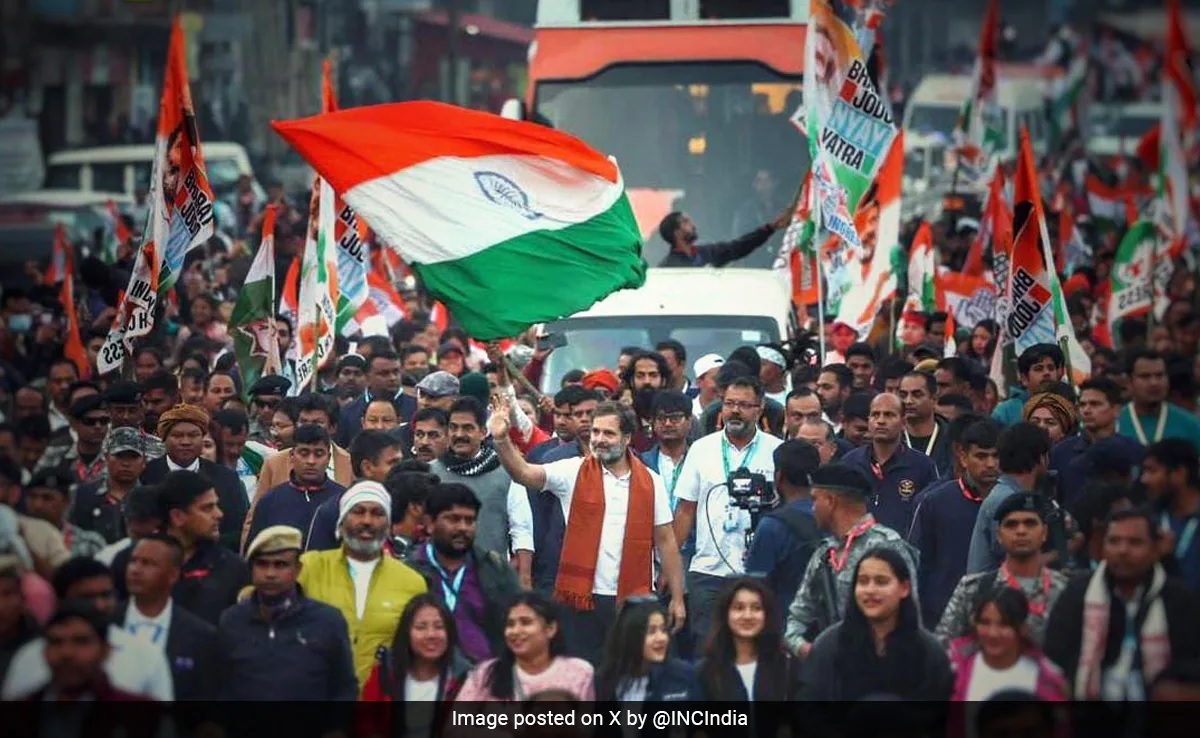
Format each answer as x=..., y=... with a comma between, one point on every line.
x=95, y=422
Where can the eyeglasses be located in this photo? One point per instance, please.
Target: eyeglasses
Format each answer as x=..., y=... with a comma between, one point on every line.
x=735, y=405
x=672, y=419
x=95, y=422
x=260, y=402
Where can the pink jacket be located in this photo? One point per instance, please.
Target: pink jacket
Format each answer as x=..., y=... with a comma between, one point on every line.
x=1051, y=685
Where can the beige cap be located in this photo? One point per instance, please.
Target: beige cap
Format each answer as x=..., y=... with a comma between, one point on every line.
x=276, y=539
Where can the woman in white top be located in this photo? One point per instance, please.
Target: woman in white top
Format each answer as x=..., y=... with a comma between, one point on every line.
x=636, y=665
x=532, y=660
x=999, y=656
x=746, y=660
x=421, y=669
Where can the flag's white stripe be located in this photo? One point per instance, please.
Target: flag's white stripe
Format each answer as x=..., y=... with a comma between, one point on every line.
x=439, y=211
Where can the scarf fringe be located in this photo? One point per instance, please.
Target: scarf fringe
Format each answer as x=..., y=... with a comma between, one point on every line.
x=575, y=601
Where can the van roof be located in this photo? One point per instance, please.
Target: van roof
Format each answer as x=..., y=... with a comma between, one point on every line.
x=721, y=291
x=950, y=90
x=66, y=198
x=142, y=152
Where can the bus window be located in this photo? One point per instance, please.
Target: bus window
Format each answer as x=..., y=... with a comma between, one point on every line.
x=624, y=10
x=725, y=9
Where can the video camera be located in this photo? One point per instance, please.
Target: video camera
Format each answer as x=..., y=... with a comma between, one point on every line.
x=751, y=492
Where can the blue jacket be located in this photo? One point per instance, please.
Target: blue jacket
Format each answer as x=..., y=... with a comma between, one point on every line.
x=674, y=680
x=905, y=475
x=549, y=524
x=1010, y=411
x=941, y=530
x=350, y=420
x=780, y=555
x=304, y=656
x=288, y=504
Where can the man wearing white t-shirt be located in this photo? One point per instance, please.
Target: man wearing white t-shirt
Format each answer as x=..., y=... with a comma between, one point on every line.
x=618, y=516
x=703, y=502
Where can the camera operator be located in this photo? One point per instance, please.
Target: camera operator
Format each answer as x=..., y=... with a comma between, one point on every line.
x=704, y=503
x=787, y=536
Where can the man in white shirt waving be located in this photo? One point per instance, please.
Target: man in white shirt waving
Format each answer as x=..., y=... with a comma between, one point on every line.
x=618, y=516
x=703, y=501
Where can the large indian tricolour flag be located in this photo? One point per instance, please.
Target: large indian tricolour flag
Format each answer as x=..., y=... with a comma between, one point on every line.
x=508, y=223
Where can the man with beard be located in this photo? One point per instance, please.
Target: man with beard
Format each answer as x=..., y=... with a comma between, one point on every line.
x=703, y=495
x=860, y=358
x=618, y=516
x=833, y=386
x=369, y=588
x=923, y=430
x=351, y=378
x=474, y=583
x=647, y=375
x=679, y=231
x=474, y=463
x=1171, y=476
x=162, y=394
x=564, y=422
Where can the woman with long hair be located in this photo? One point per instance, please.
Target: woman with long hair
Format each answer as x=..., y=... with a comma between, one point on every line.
x=879, y=648
x=532, y=660
x=745, y=659
x=422, y=668
x=982, y=344
x=636, y=665
x=999, y=656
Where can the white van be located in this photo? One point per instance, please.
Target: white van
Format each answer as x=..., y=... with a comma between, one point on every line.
x=707, y=310
x=1116, y=130
x=934, y=105
x=126, y=168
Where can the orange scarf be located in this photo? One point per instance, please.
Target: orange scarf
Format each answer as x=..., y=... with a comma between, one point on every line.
x=581, y=544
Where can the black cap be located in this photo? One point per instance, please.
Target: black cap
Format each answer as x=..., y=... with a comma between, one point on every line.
x=124, y=392
x=1021, y=502
x=352, y=360
x=842, y=479
x=85, y=405
x=272, y=384
x=50, y=479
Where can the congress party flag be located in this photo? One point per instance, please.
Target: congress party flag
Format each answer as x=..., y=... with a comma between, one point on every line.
x=977, y=134
x=116, y=234
x=1132, y=291
x=508, y=223
x=73, y=347
x=135, y=310
x=922, y=293
x=252, y=322
x=316, y=317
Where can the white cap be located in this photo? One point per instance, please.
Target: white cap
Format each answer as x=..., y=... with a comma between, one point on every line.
x=706, y=364
x=365, y=491
x=766, y=353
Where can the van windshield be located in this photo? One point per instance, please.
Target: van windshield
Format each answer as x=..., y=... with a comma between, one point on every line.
x=593, y=343
x=696, y=133
x=931, y=119
x=64, y=177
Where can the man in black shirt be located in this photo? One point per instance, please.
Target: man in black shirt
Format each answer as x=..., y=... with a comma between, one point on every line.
x=679, y=231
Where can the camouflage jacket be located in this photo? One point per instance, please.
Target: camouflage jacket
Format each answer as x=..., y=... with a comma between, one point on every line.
x=812, y=612
x=956, y=618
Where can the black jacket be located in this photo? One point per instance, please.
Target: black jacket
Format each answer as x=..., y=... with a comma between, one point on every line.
x=822, y=676
x=231, y=496
x=190, y=653
x=93, y=509
x=27, y=630
x=305, y=655
x=1064, y=627
x=497, y=580
x=720, y=254
x=350, y=419
x=774, y=681
x=674, y=680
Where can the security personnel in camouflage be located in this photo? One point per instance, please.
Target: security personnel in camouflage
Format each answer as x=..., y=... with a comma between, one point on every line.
x=1022, y=533
x=840, y=494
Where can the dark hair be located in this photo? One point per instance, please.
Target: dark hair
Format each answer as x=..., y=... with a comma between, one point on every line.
x=1131, y=331
x=1021, y=448
x=795, y=460
x=1176, y=453
x=34, y=427
x=312, y=434
x=382, y=401
x=413, y=350
x=674, y=347
x=663, y=371
x=894, y=369
x=62, y=361
x=237, y=383
x=668, y=225
x=151, y=349
x=234, y=421
x=731, y=370
x=981, y=434
x=927, y=378
x=570, y=395
x=802, y=391
x=378, y=344
x=938, y=316
x=198, y=375
x=10, y=471
x=468, y=404
x=446, y=496
x=1037, y=353
x=865, y=672
x=408, y=487
x=402, y=656
x=1142, y=354
x=861, y=349
x=955, y=428
x=624, y=649
x=626, y=419
x=845, y=377
x=499, y=676
x=721, y=649
x=958, y=367
x=179, y=490
x=387, y=355
x=572, y=377
x=435, y=414
x=858, y=405
x=748, y=355
x=96, y=621
x=162, y=380
x=1011, y=603
x=171, y=542
x=671, y=401
x=290, y=406
x=1142, y=512
x=75, y=570
x=366, y=446
x=750, y=383
x=1096, y=501
x=960, y=402
x=313, y=402
x=141, y=504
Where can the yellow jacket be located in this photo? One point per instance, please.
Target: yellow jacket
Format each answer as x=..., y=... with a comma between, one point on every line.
x=325, y=576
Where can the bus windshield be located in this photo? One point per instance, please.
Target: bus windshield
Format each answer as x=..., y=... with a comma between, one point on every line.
x=698, y=134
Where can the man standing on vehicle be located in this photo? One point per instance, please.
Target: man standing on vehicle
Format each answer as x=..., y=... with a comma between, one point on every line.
x=679, y=231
